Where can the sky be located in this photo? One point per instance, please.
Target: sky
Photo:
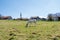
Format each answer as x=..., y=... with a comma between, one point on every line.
x=29, y=8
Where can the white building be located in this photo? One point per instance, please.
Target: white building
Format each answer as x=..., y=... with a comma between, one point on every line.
x=55, y=17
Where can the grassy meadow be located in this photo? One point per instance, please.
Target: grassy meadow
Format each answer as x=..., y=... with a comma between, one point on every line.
x=16, y=30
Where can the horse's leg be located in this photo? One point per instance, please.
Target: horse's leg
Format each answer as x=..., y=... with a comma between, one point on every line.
x=34, y=23
x=27, y=25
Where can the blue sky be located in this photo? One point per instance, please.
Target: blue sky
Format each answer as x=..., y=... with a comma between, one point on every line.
x=29, y=8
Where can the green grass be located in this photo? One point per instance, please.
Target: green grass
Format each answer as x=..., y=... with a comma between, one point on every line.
x=16, y=30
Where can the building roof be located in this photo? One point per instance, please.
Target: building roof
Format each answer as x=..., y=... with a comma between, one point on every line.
x=58, y=14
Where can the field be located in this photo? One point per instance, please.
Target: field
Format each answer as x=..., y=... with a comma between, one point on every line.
x=16, y=30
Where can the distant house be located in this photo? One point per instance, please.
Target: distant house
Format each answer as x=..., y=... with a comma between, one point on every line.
x=35, y=17
x=6, y=17
x=54, y=17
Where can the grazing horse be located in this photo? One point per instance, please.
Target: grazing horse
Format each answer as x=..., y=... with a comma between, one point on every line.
x=31, y=21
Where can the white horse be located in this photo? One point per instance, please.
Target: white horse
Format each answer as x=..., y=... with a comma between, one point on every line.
x=30, y=21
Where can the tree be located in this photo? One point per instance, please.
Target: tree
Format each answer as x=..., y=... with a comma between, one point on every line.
x=20, y=15
x=0, y=16
x=49, y=17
